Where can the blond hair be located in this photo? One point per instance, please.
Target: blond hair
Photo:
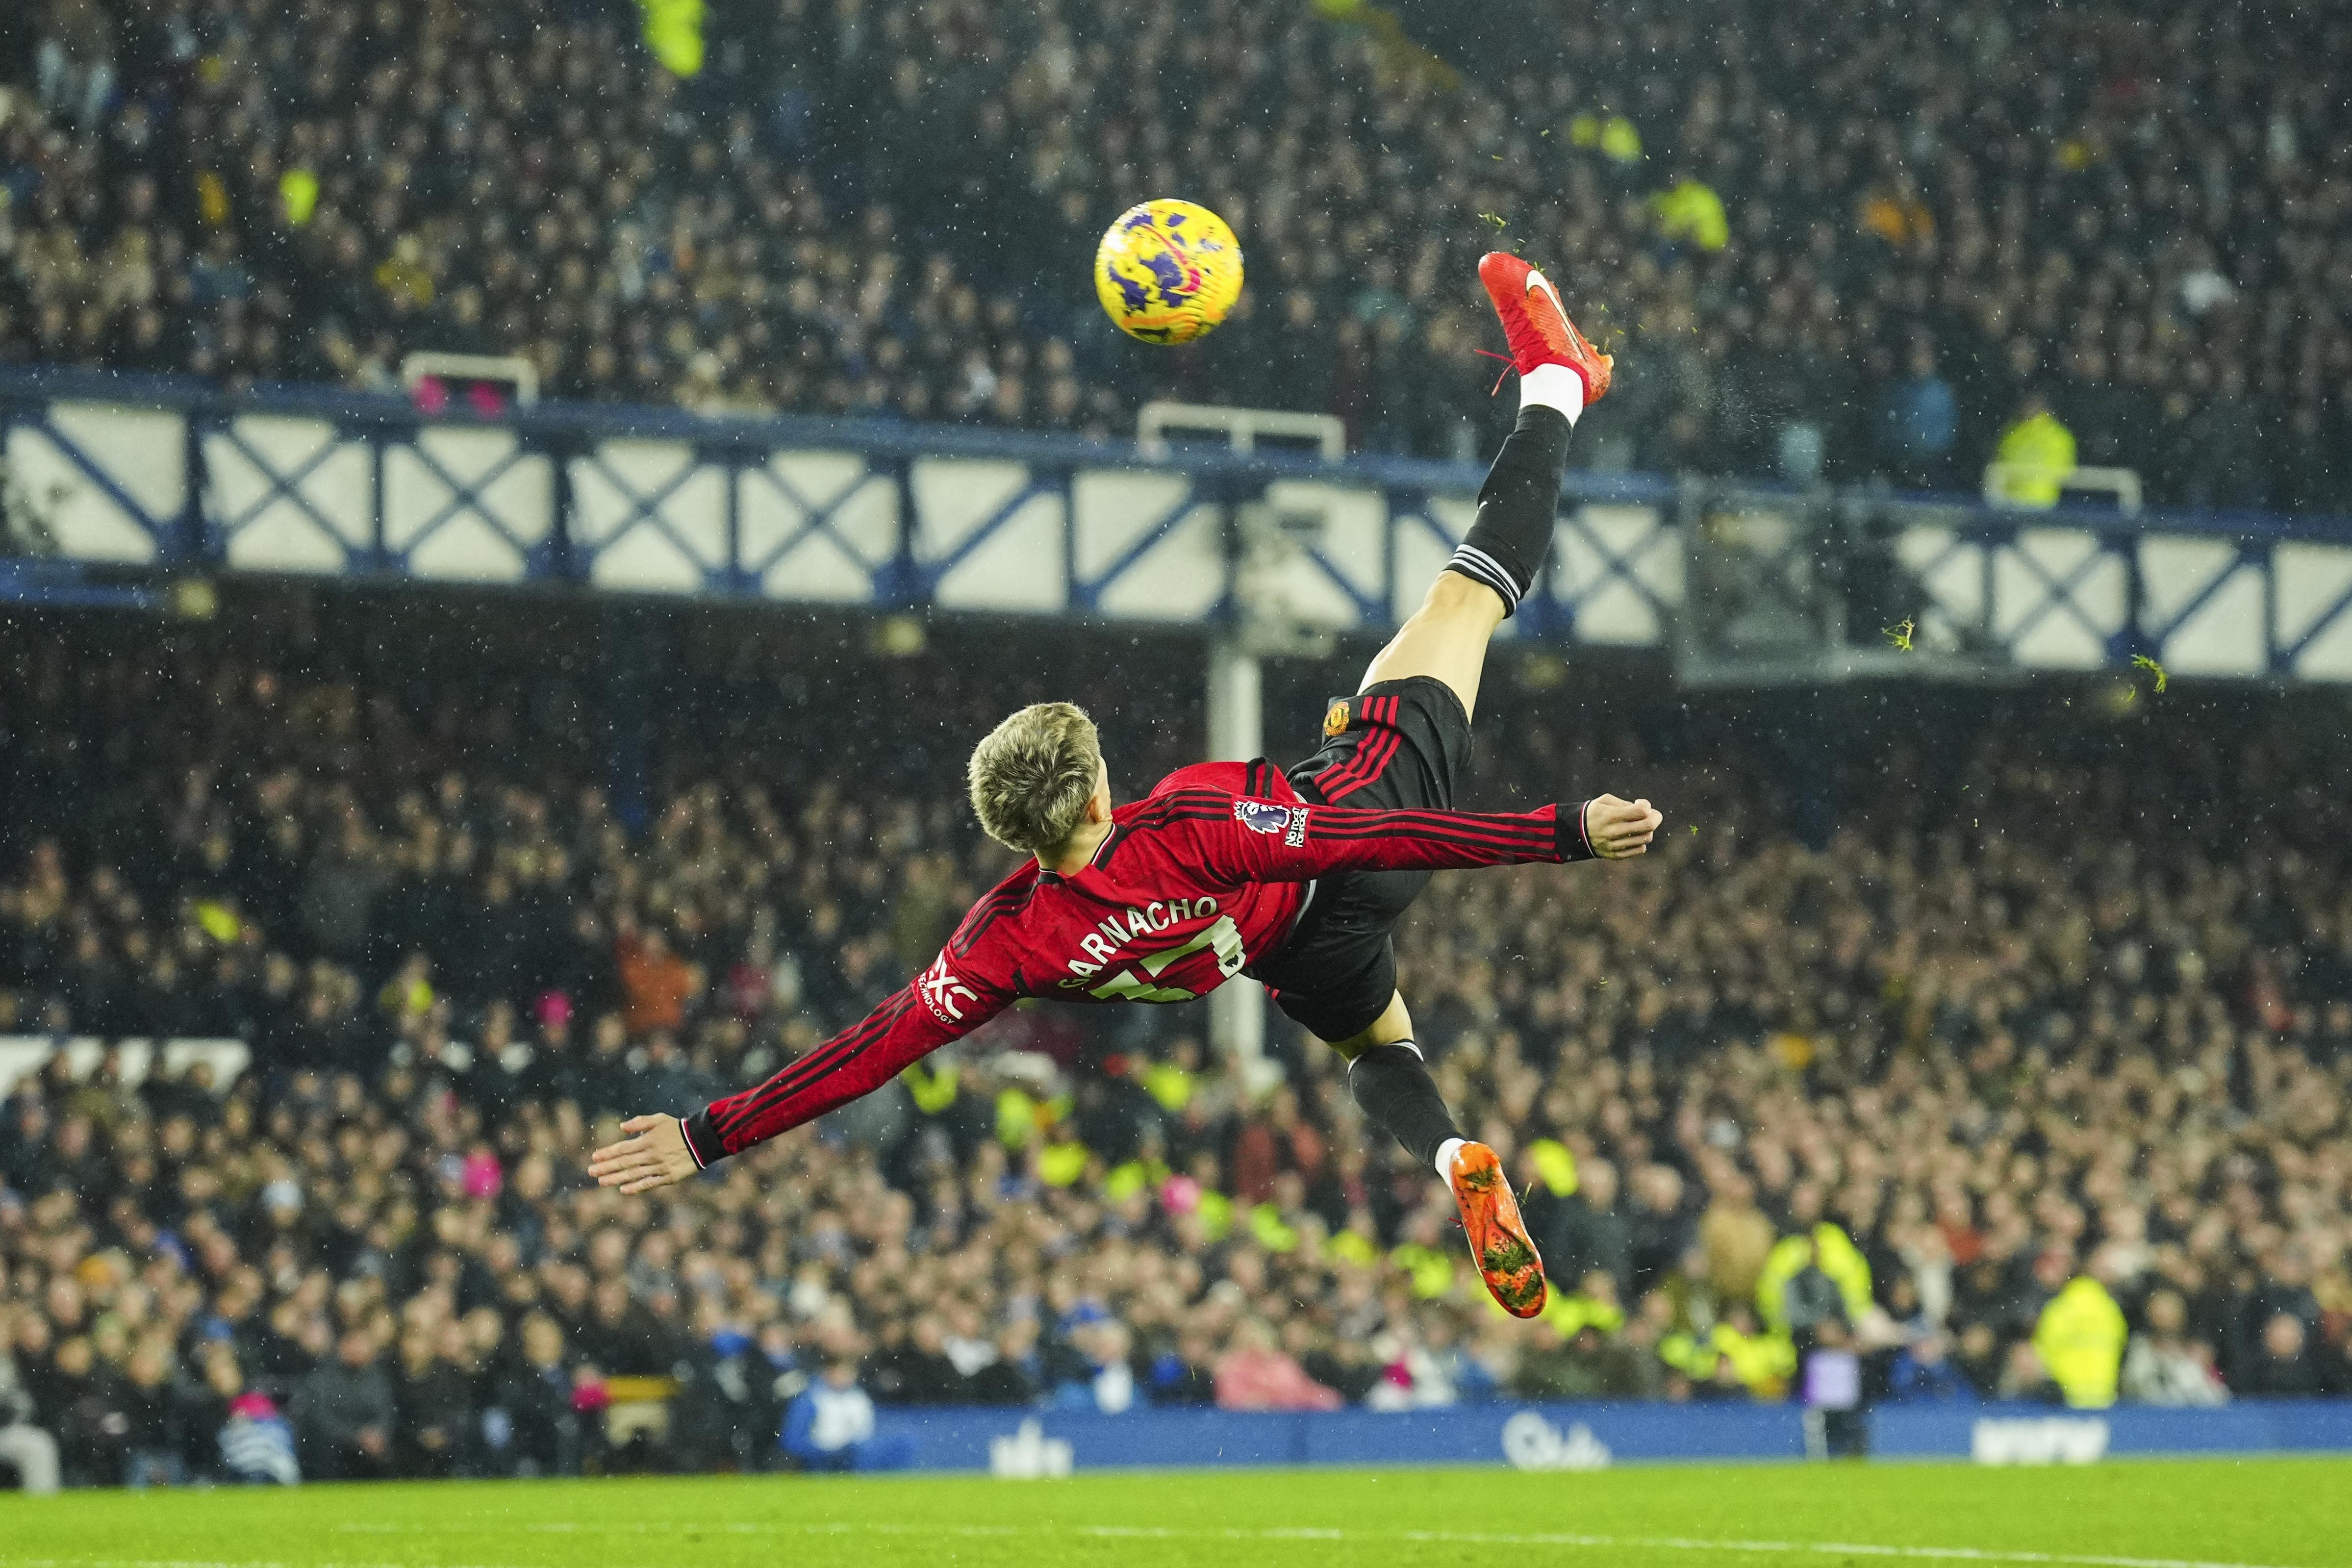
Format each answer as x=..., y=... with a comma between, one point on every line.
x=1031, y=777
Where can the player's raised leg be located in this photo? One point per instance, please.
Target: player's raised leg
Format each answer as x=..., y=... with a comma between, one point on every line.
x=1559, y=373
x=1446, y=639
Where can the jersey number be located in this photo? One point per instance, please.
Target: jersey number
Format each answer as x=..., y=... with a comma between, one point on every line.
x=1128, y=986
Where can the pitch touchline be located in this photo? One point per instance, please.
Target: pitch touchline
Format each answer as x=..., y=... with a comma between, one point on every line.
x=1162, y=1533
x=1666, y=1542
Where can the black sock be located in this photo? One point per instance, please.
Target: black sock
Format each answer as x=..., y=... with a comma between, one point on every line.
x=1394, y=1086
x=1518, y=507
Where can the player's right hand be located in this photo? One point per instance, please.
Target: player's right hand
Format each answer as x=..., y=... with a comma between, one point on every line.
x=1619, y=829
x=655, y=1157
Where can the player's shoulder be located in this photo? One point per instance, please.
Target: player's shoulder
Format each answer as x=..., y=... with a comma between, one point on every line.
x=1007, y=899
x=1206, y=789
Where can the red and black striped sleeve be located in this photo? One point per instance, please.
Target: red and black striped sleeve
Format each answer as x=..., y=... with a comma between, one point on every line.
x=939, y=1006
x=1248, y=840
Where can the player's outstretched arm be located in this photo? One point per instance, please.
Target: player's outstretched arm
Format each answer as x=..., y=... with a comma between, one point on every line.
x=1250, y=839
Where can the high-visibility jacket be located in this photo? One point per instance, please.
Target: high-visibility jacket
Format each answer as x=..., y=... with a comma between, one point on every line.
x=1169, y=1084
x=1570, y=1312
x=1555, y=1166
x=1431, y=1270
x=1840, y=1258
x=1060, y=1164
x=674, y=33
x=2035, y=455
x=2080, y=1339
x=1691, y=210
x=1764, y=1362
x=933, y=1090
x=1271, y=1231
x=1126, y=1180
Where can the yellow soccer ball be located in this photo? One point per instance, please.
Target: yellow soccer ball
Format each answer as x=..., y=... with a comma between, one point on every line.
x=1167, y=271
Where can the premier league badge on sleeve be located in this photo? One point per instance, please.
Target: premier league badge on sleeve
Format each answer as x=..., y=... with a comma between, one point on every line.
x=1260, y=815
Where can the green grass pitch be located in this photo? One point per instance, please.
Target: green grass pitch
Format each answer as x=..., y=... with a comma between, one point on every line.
x=2266, y=1513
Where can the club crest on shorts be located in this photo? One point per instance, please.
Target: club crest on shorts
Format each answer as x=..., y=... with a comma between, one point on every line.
x=1334, y=722
x=1260, y=815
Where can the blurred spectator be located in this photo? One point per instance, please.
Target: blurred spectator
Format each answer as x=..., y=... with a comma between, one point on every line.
x=655, y=983
x=2283, y=1365
x=2036, y=454
x=2163, y=1366
x=1257, y=1374
x=255, y=1442
x=830, y=1427
x=2080, y=1341
x=1918, y=423
x=345, y=1413
x=25, y=1448
x=1923, y=1372
x=535, y=1430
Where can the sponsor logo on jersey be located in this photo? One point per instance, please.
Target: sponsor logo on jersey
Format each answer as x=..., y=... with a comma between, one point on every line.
x=1260, y=815
x=943, y=993
x=1334, y=722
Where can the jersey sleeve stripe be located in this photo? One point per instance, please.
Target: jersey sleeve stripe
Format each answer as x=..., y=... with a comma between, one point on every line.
x=1463, y=827
x=815, y=1065
x=839, y=1060
x=1540, y=845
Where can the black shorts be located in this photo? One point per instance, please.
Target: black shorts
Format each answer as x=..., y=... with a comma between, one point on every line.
x=1397, y=744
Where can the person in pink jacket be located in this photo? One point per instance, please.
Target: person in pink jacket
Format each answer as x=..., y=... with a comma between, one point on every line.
x=1257, y=1374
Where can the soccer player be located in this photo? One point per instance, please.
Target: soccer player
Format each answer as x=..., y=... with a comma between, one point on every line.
x=1295, y=879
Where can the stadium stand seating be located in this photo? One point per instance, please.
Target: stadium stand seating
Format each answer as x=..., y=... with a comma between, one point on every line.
x=1825, y=245
x=2062, y=1021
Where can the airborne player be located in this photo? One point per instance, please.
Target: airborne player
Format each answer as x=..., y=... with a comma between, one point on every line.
x=1295, y=879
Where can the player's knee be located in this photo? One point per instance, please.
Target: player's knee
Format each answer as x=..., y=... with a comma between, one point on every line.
x=1455, y=594
x=1395, y=1024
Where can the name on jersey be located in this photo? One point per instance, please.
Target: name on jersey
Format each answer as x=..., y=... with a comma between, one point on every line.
x=1265, y=817
x=1102, y=944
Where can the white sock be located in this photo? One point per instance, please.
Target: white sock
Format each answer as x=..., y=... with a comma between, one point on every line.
x=1445, y=1158
x=1553, y=386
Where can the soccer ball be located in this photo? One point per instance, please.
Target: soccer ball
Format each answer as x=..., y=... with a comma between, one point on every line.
x=1167, y=271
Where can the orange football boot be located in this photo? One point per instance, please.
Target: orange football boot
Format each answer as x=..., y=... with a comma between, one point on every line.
x=1538, y=326
x=1498, y=1237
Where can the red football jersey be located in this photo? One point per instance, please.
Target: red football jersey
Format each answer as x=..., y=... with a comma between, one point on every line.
x=1204, y=876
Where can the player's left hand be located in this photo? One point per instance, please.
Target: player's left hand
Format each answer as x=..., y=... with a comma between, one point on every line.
x=656, y=1157
x=1619, y=829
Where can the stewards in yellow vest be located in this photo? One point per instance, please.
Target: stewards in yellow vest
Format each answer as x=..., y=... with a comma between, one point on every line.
x=674, y=33
x=2080, y=1339
x=1839, y=1258
x=2035, y=455
x=1689, y=209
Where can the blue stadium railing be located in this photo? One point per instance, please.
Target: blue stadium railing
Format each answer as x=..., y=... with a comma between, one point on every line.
x=160, y=473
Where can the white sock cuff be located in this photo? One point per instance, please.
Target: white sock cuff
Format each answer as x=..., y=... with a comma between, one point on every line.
x=1553, y=386
x=1445, y=1157
x=1480, y=567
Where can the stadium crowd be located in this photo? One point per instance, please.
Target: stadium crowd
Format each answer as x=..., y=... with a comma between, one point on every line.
x=2033, y=1085
x=1824, y=245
